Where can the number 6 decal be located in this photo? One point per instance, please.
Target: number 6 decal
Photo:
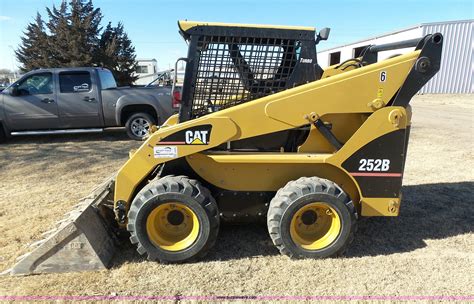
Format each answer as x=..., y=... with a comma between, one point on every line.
x=383, y=76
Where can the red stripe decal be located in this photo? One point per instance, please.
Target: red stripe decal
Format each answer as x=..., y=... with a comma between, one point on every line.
x=371, y=174
x=171, y=143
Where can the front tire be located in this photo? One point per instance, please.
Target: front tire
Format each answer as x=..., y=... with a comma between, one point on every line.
x=138, y=125
x=173, y=219
x=311, y=218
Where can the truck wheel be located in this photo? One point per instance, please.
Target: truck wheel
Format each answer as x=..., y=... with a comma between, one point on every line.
x=311, y=218
x=173, y=219
x=138, y=124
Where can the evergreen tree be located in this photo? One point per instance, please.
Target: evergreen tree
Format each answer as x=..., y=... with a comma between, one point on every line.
x=33, y=51
x=74, y=33
x=73, y=38
x=117, y=54
x=58, y=41
x=84, y=34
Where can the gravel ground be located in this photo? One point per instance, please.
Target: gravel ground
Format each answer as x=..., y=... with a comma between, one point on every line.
x=427, y=250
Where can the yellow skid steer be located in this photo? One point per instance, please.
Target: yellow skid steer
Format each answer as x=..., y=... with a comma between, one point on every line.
x=263, y=134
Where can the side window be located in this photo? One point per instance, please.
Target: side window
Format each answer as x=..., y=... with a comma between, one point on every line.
x=142, y=69
x=41, y=83
x=334, y=58
x=75, y=82
x=357, y=52
x=107, y=80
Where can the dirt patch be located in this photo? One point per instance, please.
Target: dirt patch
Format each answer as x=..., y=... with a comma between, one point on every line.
x=427, y=250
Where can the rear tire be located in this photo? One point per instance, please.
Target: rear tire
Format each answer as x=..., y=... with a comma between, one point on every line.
x=311, y=218
x=138, y=125
x=173, y=219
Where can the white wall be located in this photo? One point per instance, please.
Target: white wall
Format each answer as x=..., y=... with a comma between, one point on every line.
x=457, y=59
x=347, y=51
x=150, y=75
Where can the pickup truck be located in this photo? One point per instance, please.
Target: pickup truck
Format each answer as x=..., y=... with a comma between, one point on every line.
x=77, y=100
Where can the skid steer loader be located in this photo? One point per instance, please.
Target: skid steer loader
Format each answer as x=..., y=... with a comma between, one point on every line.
x=263, y=133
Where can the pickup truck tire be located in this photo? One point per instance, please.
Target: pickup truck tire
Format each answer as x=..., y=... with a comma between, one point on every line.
x=138, y=124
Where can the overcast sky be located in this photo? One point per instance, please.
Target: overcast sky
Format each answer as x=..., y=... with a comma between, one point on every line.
x=151, y=24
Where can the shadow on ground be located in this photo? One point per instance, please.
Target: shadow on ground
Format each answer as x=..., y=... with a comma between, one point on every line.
x=429, y=211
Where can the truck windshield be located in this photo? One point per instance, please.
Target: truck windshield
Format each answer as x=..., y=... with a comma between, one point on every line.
x=107, y=80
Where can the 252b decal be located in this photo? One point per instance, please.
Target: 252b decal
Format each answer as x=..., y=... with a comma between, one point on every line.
x=377, y=166
x=374, y=165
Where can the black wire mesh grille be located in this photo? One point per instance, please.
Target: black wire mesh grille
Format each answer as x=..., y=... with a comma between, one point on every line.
x=234, y=70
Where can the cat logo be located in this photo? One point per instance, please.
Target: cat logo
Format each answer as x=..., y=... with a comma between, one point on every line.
x=196, y=137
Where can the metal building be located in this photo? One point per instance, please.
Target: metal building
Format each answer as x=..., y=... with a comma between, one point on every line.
x=457, y=62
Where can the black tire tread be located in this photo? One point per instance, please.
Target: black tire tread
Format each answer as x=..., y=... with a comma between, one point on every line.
x=177, y=184
x=297, y=188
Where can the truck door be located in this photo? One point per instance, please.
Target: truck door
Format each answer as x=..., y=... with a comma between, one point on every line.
x=78, y=100
x=31, y=104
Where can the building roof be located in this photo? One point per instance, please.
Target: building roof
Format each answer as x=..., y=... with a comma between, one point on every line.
x=399, y=31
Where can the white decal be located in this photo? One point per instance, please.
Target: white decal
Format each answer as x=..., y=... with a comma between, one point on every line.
x=165, y=152
x=383, y=76
x=374, y=164
x=196, y=137
x=81, y=88
x=306, y=60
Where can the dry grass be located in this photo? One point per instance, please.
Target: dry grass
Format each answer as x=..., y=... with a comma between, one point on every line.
x=427, y=250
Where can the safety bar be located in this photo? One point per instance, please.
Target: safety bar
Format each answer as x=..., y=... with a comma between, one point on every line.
x=175, y=77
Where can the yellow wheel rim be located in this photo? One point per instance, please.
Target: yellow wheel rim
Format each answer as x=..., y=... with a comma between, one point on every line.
x=172, y=226
x=315, y=226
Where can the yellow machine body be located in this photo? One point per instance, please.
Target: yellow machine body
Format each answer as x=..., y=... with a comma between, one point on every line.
x=263, y=171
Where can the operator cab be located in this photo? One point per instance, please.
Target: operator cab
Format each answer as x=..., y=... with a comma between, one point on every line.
x=229, y=64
